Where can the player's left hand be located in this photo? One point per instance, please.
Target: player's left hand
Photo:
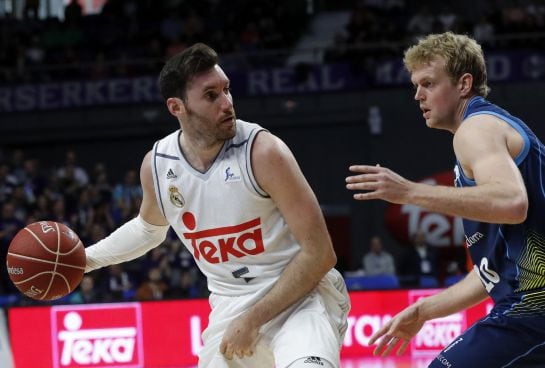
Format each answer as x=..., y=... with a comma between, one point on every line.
x=239, y=339
x=378, y=182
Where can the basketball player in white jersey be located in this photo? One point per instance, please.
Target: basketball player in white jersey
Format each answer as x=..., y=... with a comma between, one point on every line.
x=235, y=196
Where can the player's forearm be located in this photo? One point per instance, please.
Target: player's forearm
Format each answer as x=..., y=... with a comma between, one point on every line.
x=132, y=240
x=487, y=203
x=300, y=276
x=459, y=296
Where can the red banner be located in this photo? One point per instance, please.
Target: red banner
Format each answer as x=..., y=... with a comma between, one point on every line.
x=167, y=333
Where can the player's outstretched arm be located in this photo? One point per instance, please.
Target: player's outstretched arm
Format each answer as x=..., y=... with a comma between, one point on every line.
x=278, y=173
x=481, y=145
x=137, y=236
x=397, y=333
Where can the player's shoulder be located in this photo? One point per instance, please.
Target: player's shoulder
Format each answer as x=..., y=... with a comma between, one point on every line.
x=481, y=126
x=246, y=129
x=168, y=139
x=145, y=167
x=267, y=144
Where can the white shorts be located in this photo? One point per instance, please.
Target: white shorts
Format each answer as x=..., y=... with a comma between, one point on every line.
x=314, y=326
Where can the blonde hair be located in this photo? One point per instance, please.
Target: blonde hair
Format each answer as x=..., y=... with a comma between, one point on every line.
x=461, y=53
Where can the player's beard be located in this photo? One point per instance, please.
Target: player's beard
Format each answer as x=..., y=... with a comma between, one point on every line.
x=213, y=130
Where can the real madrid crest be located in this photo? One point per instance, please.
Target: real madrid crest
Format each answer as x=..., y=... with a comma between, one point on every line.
x=175, y=196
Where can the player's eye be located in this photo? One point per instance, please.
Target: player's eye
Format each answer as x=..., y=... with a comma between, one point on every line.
x=211, y=96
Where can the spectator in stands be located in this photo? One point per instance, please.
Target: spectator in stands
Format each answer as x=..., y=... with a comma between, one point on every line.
x=84, y=212
x=446, y=19
x=154, y=288
x=20, y=203
x=86, y=292
x=183, y=286
x=484, y=31
x=421, y=22
x=101, y=183
x=8, y=181
x=427, y=255
x=32, y=178
x=59, y=211
x=125, y=194
x=183, y=274
x=118, y=283
x=420, y=260
x=157, y=258
x=9, y=224
x=378, y=261
x=42, y=208
x=71, y=168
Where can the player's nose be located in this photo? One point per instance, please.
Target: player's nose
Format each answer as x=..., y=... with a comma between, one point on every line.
x=226, y=102
x=418, y=95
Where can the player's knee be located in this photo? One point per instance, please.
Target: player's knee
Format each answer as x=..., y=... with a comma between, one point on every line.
x=311, y=362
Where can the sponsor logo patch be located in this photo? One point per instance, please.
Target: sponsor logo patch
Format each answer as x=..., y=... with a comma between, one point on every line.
x=175, y=196
x=222, y=244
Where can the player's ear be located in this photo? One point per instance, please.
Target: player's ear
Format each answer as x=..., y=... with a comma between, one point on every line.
x=175, y=106
x=465, y=84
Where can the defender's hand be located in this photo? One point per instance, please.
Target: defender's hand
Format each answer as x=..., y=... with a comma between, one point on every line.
x=397, y=332
x=378, y=183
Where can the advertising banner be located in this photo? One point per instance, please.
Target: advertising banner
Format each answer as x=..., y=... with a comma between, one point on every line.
x=168, y=333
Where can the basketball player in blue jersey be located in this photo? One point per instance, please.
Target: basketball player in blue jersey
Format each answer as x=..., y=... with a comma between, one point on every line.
x=500, y=194
x=235, y=196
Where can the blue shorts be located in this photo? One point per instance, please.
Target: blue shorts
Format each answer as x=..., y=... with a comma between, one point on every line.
x=498, y=340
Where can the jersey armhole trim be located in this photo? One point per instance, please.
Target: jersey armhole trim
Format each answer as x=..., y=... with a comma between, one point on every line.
x=249, y=169
x=526, y=147
x=463, y=176
x=156, y=178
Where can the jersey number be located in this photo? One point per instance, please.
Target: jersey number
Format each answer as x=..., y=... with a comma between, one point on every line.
x=489, y=277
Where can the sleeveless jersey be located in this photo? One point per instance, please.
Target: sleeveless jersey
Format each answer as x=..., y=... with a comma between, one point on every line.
x=510, y=259
x=234, y=230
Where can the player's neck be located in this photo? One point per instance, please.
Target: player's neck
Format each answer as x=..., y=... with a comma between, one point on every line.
x=199, y=153
x=460, y=111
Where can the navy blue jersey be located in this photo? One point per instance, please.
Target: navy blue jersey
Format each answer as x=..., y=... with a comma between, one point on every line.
x=510, y=259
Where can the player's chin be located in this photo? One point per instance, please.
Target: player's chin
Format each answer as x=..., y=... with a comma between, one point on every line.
x=431, y=123
x=228, y=133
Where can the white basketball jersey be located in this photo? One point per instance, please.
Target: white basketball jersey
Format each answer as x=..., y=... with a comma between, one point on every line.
x=234, y=230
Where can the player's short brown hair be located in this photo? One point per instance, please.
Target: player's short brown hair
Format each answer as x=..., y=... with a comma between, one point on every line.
x=180, y=69
x=461, y=53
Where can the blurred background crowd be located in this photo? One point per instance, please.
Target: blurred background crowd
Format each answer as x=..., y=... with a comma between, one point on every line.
x=133, y=37
x=128, y=38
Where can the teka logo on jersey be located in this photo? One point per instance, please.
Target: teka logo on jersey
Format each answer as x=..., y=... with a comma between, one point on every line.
x=97, y=336
x=221, y=244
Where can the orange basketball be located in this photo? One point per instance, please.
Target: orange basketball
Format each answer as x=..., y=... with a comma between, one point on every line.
x=46, y=260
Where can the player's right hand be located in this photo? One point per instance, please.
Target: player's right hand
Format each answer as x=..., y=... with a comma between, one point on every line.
x=397, y=332
x=377, y=182
x=240, y=338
